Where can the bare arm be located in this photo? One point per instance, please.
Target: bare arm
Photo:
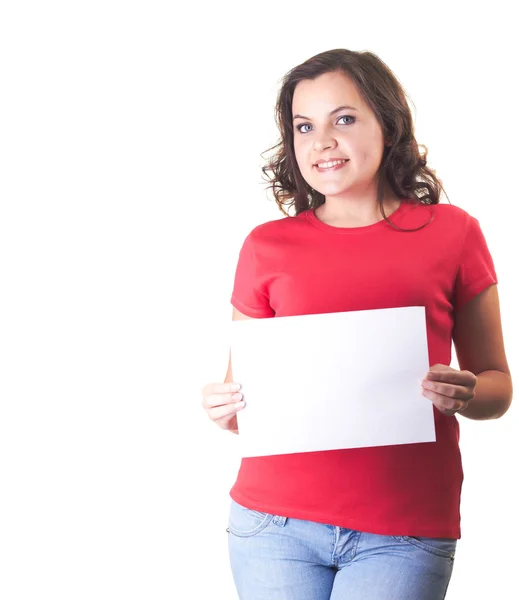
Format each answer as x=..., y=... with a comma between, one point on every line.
x=478, y=340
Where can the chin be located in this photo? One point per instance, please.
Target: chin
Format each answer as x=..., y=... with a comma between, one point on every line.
x=332, y=190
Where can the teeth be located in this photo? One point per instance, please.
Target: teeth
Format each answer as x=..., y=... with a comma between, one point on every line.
x=330, y=164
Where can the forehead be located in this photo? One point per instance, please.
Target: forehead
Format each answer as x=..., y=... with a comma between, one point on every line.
x=323, y=94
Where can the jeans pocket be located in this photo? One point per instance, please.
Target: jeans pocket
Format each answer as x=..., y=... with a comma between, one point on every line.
x=444, y=547
x=246, y=522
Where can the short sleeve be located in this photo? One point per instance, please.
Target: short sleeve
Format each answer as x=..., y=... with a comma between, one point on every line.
x=476, y=268
x=247, y=295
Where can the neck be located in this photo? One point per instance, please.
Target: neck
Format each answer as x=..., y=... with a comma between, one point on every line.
x=355, y=212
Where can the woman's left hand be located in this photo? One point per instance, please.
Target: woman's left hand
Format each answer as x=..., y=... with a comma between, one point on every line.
x=449, y=390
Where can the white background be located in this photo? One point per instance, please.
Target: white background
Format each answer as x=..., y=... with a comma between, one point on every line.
x=130, y=141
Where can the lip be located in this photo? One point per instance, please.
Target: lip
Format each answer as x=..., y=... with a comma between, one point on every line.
x=331, y=169
x=321, y=160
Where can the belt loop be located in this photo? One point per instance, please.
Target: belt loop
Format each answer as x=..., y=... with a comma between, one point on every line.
x=277, y=520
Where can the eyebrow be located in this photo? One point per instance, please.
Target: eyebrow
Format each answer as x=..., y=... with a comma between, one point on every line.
x=335, y=110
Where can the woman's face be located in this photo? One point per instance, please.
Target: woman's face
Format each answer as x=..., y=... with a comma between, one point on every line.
x=351, y=133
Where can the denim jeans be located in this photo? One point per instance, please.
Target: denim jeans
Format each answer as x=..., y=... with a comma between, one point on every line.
x=279, y=558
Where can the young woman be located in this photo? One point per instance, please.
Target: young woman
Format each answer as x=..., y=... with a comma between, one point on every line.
x=368, y=233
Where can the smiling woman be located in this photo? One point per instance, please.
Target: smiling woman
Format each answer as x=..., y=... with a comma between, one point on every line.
x=375, y=137
x=350, y=147
x=365, y=235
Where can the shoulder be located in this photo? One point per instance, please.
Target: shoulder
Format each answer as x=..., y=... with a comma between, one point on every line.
x=444, y=217
x=275, y=228
x=451, y=211
x=442, y=211
x=457, y=220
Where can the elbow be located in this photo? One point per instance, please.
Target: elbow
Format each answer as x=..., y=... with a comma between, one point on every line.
x=510, y=393
x=507, y=390
x=493, y=395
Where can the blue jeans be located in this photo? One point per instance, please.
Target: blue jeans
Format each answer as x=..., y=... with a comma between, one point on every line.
x=280, y=558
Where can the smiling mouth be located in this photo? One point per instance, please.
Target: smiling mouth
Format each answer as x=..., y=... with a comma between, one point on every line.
x=332, y=168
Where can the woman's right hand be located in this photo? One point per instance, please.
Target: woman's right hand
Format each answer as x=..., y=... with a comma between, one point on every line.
x=222, y=401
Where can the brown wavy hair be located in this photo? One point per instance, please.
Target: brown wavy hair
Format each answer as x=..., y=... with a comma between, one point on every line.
x=402, y=166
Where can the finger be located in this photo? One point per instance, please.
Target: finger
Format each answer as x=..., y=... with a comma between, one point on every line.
x=465, y=378
x=214, y=400
x=220, y=388
x=447, y=389
x=444, y=404
x=220, y=412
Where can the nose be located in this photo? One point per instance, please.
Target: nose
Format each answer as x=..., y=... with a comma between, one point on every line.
x=324, y=144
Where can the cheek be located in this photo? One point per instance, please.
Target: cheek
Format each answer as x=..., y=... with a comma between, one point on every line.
x=366, y=139
x=300, y=147
x=297, y=151
x=301, y=155
x=369, y=152
x=374, y=145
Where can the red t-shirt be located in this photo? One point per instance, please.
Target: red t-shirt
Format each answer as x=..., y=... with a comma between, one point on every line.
x=300, y=265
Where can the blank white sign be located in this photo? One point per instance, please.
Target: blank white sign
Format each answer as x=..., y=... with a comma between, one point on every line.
x=332, y=381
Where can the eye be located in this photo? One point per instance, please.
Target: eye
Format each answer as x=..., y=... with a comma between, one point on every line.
x=298, y=127
x=347, y=117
